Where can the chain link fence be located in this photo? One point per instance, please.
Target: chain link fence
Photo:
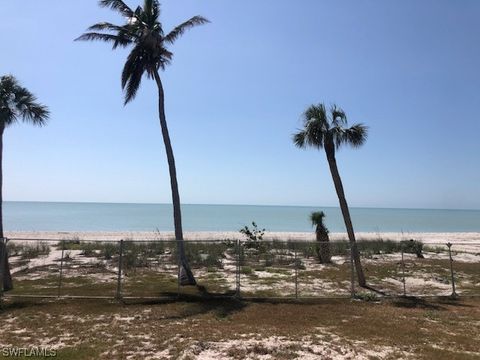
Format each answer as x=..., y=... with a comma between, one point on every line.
x=247, y=269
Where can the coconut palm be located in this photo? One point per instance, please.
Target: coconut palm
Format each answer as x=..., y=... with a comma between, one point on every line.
x=329, y=131
x=16, y=104
x=143, y=31
x=321, y=233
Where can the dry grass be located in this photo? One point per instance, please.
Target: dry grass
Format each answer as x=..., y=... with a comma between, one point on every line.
x=197, y=328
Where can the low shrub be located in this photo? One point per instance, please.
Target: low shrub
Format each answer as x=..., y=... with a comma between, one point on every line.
x=28, y=251
x=413, y=247
x=246, y=270
x=367, y=296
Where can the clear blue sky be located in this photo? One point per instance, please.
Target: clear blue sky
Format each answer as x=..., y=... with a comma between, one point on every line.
x=234, y=95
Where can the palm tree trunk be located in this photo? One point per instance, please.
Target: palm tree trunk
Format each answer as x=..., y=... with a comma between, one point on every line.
x=332, y=163
x=185, y=275
x=5, y=276
x=323, y=245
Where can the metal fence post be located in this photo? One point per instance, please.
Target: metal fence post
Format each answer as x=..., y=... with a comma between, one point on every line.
x=237, y=269
x=403, y=276
x=3, y=245
x=352, y=273
x=454, y=293
x=120, y=265
x=179, y=268
x=296, y=271
x=61, y=269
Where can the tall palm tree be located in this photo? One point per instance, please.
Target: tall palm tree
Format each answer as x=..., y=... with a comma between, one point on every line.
x=321, y=234
x=143, y=31
x=328, y=130
x=16, y=104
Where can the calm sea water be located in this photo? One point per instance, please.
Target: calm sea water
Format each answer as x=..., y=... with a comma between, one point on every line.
x=49, y=216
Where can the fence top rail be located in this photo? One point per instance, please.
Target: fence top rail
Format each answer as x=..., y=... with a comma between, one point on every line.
x=291, y=241
x=60, y=240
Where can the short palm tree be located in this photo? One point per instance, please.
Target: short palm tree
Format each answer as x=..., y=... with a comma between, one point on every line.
x=321, y=233
x=16, y=104
x=329, y=131
x=143, y=31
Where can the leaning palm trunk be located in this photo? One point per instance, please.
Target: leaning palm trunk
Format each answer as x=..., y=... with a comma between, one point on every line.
x=186, y=276
x=5, y=276
x=332, y=163
x=323, y=245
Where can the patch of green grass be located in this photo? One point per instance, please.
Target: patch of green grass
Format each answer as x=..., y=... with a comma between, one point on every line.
x=246, y=270
x=277, y=270
x=81, y=352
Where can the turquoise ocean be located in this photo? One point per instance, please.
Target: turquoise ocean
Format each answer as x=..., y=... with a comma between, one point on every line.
x=59, y=216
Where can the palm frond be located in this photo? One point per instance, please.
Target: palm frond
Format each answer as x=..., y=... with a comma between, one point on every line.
x=180, y=29
x=164, y=59
x=317, y=113
x=315, y=133
x=317, y=217
x=133, y=84
x=299, y=139
x=28, y=107
x=18, y=102
x=7, y=84
x=339, y=118
x=117, y=40
x=151, y=8
x=136, y=65
x=37, y=114
x=8, y=116
x=117, y=5
x=356, y=135
x=104, y=26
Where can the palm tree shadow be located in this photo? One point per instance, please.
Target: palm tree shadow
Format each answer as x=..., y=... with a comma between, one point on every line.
x=377, y=291
x=17, y=305
x=220, y=306
x=439, y=303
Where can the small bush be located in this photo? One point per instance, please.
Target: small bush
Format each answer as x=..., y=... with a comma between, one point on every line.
x=413, y=247
x=88, y=249
x=108, y=250
x=300, y=265
x=203, y=254
x=246, y=270
x=377, y=247
x=254, y=235
x=31, y=251
x=14, y=249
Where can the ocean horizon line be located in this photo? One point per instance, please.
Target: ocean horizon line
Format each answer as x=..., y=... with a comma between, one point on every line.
x=246, y=205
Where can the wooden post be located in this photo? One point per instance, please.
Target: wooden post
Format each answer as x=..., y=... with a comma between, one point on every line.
x=179, y=269
x=119, y=279
x=454, y=293
x=2, y=264
x=237, y=270
x=296, y=271
x=61, y=269
x=352, y=273
x=403, y=275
